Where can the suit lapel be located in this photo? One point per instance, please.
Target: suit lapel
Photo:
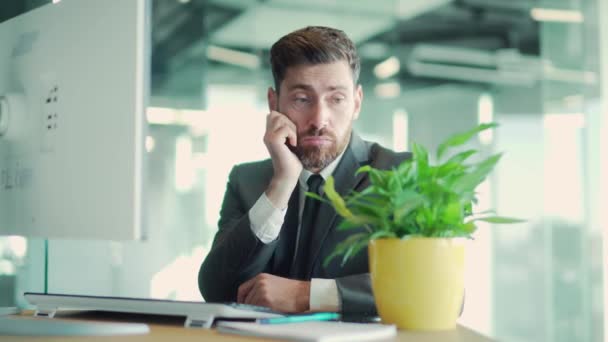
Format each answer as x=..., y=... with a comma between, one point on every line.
x=355, y=156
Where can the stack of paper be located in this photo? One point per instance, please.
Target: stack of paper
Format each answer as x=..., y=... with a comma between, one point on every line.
x=312, y=331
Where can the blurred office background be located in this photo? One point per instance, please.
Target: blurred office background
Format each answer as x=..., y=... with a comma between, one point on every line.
x=430, y=68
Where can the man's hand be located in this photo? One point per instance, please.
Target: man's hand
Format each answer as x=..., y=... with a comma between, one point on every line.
x=279, y=294
x=280, y=131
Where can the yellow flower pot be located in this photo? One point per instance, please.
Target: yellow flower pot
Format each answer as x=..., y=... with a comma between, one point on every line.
x=418, y=282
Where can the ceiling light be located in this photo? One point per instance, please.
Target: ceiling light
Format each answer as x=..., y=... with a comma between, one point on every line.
x=161, y=116
x=573, y=100
x=556, y=15
x=388, y=90
x=235, y=57
x=387, y=68
x=400, y=130
x=150, y=144
x=552, y=73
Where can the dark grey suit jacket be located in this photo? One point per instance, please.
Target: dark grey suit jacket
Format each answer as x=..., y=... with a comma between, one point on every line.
x=238, y=255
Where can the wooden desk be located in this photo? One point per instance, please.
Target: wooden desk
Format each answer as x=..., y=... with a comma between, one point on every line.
x=170, y=330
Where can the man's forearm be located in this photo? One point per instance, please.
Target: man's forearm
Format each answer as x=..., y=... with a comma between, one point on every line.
x=237, y=255
x=279, y=191
x=266, y=220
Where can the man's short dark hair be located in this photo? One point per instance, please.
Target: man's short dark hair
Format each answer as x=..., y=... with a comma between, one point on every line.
x=312, y=45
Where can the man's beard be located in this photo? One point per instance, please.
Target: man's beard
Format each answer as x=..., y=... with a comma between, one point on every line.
x=318, y=157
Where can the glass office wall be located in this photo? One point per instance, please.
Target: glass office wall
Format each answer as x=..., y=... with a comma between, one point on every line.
x=429, y=69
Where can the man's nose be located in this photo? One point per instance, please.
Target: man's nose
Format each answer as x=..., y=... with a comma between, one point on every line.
x=319, y=115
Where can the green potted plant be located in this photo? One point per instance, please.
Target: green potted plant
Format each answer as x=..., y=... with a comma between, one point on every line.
x=417, y=217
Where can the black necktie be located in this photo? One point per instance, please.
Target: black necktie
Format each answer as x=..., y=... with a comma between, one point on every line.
x=309, y=217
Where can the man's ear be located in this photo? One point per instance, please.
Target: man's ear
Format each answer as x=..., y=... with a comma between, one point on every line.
x=273, y=99
x=358, y=101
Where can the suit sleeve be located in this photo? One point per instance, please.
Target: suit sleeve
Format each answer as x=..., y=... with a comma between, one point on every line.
x=236, y=254
x=356, y=294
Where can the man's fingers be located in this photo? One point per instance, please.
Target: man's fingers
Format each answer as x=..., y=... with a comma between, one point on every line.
x=286, y=133
x=253, y=296
x=279, y=128
x=276, y=120
x=282, y=124
x=244, y=289
x=293, y=139
x=273, y=120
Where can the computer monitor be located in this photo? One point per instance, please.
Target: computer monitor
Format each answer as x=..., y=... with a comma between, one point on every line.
x=73, y=90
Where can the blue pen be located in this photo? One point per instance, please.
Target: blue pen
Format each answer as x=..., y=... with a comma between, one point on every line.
x=317, y=316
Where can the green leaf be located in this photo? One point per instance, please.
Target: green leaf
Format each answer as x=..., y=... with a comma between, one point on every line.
x=452, y=213
x=468, y=182
x=382, y=234
x=317, y=197
x=461, y=138
x=449, y=171
x=378, y=177
x=459, y=158
x=404, y=168
x=343, y=246
x=499, y=220
x=405, y=202
x=366, y=219
x=363, y=169
x=354, y=249
x=394, y=183
x=468, y=228
x=371, y=197
x=454, y=164
x=421, y=156
x=347, y=225
x=363, y=208
x=336, y=200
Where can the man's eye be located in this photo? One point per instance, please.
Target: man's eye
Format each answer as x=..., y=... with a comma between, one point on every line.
x=338, y=100
x=301, y=100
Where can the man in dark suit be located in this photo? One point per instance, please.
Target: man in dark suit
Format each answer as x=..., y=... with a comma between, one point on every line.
x=272, y=240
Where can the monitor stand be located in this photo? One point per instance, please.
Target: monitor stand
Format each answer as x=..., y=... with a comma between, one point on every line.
x=30, y=326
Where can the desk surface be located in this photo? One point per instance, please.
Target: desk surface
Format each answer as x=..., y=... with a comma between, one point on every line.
x=171, y=330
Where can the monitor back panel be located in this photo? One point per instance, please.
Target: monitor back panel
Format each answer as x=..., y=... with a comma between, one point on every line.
x=75, y=75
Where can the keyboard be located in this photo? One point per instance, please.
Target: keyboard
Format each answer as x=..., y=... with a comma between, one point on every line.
x=250, y=307
x=193, y=310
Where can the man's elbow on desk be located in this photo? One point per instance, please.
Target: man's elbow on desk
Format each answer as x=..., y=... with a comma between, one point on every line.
x=212, y=288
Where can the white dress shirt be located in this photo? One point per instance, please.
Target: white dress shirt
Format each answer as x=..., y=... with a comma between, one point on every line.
x=266, y=222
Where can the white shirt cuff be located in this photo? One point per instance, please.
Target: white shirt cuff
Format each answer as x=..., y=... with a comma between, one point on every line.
x=324, y=295
x=266, y=220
